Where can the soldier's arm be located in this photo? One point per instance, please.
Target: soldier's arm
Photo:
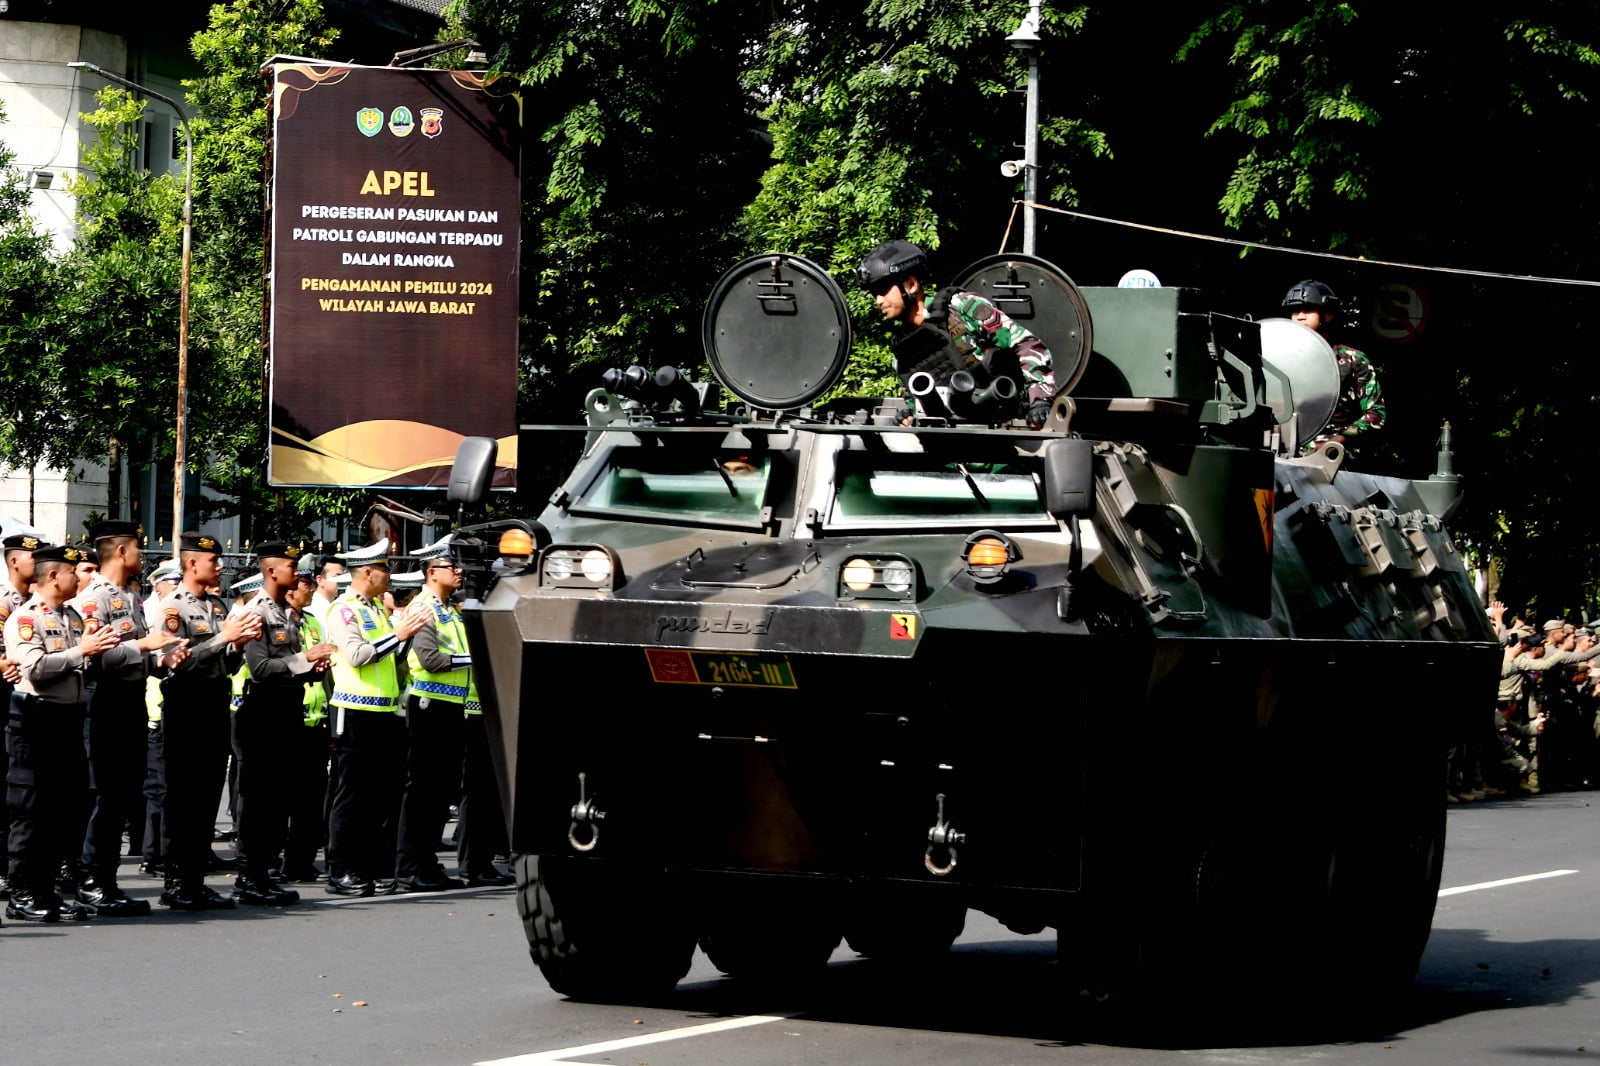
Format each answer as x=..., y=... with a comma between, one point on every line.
x=1528, y=664
x=992, y=328
x=1370, y=395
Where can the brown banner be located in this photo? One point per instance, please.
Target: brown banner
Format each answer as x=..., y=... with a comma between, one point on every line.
x=395, y=251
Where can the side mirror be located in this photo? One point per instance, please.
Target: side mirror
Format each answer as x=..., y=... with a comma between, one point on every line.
x=1069, y=478
x=473, y=469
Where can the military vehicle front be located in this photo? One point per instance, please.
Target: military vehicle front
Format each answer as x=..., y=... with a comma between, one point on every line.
x=764, y=679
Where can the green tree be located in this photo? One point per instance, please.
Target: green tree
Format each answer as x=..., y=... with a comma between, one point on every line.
x=27, y=284
x=227, y=362
x=889, y=119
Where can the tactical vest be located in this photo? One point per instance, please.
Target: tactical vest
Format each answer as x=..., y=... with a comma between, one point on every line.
x=454, y=685
x=375, y=686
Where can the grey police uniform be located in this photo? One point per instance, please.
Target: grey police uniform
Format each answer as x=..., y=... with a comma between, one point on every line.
x=117, y=724
x=195, y=732
x=46, y=774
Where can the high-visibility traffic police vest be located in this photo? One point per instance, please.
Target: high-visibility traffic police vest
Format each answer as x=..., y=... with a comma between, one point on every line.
x=316, y=700
x=454, y=685
x=375, y=686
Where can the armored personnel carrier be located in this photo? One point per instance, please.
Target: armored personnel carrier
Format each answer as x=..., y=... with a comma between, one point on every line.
x=764, y=678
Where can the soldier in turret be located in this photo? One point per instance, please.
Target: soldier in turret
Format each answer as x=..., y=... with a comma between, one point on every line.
x=1360, y=408
x=897, y=275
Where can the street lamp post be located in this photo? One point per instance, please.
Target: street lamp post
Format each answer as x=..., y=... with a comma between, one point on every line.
x=1025, y=39
x=183, y=292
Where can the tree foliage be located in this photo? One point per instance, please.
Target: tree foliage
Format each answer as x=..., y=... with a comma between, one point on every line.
x=27, y=284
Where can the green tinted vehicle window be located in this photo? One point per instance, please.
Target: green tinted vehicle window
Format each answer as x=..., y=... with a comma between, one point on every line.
x=942, y=491
x=722, y=486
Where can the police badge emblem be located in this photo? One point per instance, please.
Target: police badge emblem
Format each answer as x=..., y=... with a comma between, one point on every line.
x=432, y=121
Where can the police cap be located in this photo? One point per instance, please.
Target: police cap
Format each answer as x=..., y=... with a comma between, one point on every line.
x=278, y=549
x=114, y=528
x=199, y=542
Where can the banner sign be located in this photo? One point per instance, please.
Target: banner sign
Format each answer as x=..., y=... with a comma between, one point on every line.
x=395, y=244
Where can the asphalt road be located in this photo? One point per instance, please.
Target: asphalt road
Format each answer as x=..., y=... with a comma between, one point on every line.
x=1511, y=974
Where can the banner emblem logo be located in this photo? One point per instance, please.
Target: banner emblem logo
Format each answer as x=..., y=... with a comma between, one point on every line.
x=400, y=122
x=432, y=121
x=369, y=120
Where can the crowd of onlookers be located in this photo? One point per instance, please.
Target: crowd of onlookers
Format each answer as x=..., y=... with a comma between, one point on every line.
x=1545, y=731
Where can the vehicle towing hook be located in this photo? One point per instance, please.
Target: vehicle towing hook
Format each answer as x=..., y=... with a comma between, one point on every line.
x=942, y=836
x=586, y=816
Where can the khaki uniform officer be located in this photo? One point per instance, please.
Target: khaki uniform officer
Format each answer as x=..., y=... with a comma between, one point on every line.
x=369, y=734
x=194, y=721
x=115, y=737
x=13, y=594
x=266, y=725
x=47, y=773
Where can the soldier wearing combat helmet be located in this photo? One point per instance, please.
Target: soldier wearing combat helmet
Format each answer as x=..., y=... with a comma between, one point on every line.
x=974, y=330
x=1360, y=408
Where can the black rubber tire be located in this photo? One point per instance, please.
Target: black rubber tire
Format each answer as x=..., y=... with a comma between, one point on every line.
x=602, y=931
x=903, y=927
x=771, y=938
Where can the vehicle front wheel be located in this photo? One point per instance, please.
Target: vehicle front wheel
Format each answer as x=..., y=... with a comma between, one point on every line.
x=602, y=931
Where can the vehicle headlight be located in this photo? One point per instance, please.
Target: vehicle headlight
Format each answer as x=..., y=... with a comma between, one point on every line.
x=588, y=566
x=878, y=577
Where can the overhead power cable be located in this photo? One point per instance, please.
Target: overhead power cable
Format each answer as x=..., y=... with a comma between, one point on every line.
x=1300, y=251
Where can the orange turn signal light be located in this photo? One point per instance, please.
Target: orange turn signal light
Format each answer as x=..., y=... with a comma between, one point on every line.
x=989, y=551
x=515, y=542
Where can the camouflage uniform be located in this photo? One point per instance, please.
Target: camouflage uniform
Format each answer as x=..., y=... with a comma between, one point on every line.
x=974, y=322
x=1360, y=408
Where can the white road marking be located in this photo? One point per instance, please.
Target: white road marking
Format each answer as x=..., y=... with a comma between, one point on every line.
x=1481, y=885
x=568, y=1054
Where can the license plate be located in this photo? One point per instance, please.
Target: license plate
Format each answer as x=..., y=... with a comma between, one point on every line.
x=676, y=666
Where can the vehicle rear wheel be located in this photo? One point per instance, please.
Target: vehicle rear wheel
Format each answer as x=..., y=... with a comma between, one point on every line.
x=904, y=927
x=770, y=936
x=602, y=931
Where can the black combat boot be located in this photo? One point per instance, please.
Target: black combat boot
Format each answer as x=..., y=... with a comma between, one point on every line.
x=25, y=906
x=179, y=892
x=100, y=892
x=260, y=891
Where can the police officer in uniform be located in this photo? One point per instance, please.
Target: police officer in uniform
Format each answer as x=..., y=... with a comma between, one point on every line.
x=15, y=592
x=117, y=723
x=307, y=768
x=194, y=721
x=266, y=724
x=440, y=666
x=369, y=734
x=47, y=772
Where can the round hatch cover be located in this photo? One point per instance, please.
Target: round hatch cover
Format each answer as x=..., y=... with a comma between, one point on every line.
x=776, y=331
x=1039, y=295
x=1312, y=370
